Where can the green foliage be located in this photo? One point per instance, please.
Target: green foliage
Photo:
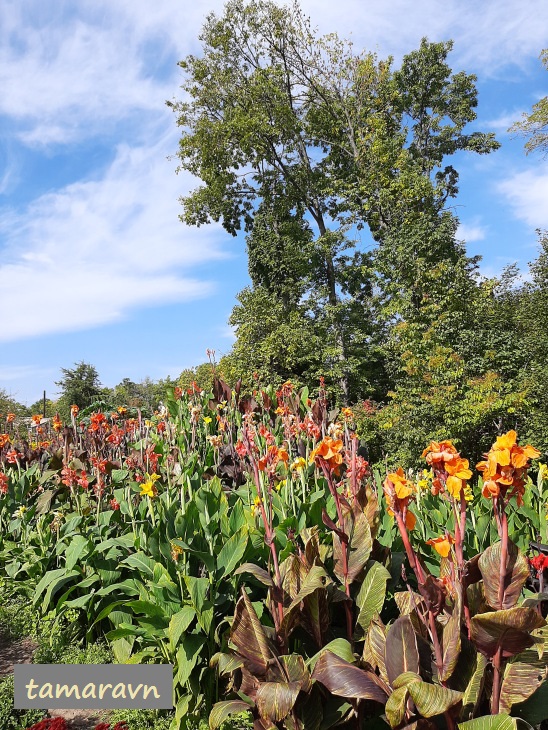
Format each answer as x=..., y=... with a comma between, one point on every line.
x=295, y=138
x=535, y=124
x=79, y=386
x=11, y=719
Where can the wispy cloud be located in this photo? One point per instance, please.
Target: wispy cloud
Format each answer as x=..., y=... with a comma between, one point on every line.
x=527, y=193
x=85, y=255
x=471, y=232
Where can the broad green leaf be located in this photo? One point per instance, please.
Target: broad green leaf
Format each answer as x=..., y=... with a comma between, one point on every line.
x=75, y=549
x=517, y=572
x=50, y=576
x=226, y=663
x=222, y=710
x=54, y=586
x=142, y=562
x=188, y=654
x=370, y=598
x=146, y=607
x=275, y=700
x=401, y=654
x=179, y=623
x=231, y=553
x=494, y=722
x=347, y=680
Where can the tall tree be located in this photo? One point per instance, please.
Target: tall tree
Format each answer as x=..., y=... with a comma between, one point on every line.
x=78, y=386
x=297, y=138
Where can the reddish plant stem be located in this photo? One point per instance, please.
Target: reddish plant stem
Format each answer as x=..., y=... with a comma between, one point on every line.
x=269, y=532
x=344, y=550
x=497, y=659
x=459, y=546
x=419, y=572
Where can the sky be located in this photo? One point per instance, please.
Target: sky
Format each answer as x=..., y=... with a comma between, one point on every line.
x=95, y=264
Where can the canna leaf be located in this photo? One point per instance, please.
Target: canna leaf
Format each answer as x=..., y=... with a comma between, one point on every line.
x=222, y=710
x=257, y=572
x=347, y=680
x=275, y=700
x=493, y=722
x=248, y=637
x=231, y=553
x=359, y=545
x=396, y=706
x=451, y=642
x=401, y=653
x=517, y=572
x=474, y=689
x=432, y=699
x=522, y=677
x=509, y=628
x=370, y=598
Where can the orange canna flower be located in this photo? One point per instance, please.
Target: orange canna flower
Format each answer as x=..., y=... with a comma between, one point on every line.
x=328, y=451
x=10, y=418
x=505, y=468
x=438, y=452
x=410, y=520
x=4, y=440
x=74, y=410
x=442, y=544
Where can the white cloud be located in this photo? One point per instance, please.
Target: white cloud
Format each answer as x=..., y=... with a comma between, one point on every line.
x=527, y=193
x=16, y=372
x=87, y=254
x=471, y=232
x=67, y=70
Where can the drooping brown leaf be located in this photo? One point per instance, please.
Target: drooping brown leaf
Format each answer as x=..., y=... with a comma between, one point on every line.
x=347, y=680
x=517, y=572
x=433, y=592
x=248, y=637
x=401, y=654
x=509, y=629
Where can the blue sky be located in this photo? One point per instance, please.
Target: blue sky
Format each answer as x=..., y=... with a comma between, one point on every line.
x=94, y=262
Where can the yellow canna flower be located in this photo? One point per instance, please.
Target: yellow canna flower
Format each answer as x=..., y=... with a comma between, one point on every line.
x=298, y=464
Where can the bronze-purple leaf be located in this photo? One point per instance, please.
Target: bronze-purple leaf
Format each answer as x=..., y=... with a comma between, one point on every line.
x=402, y=654
x=517, y=572
x=509, y=629
x=347, y=680
x=275, y=700
x=248, y=637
